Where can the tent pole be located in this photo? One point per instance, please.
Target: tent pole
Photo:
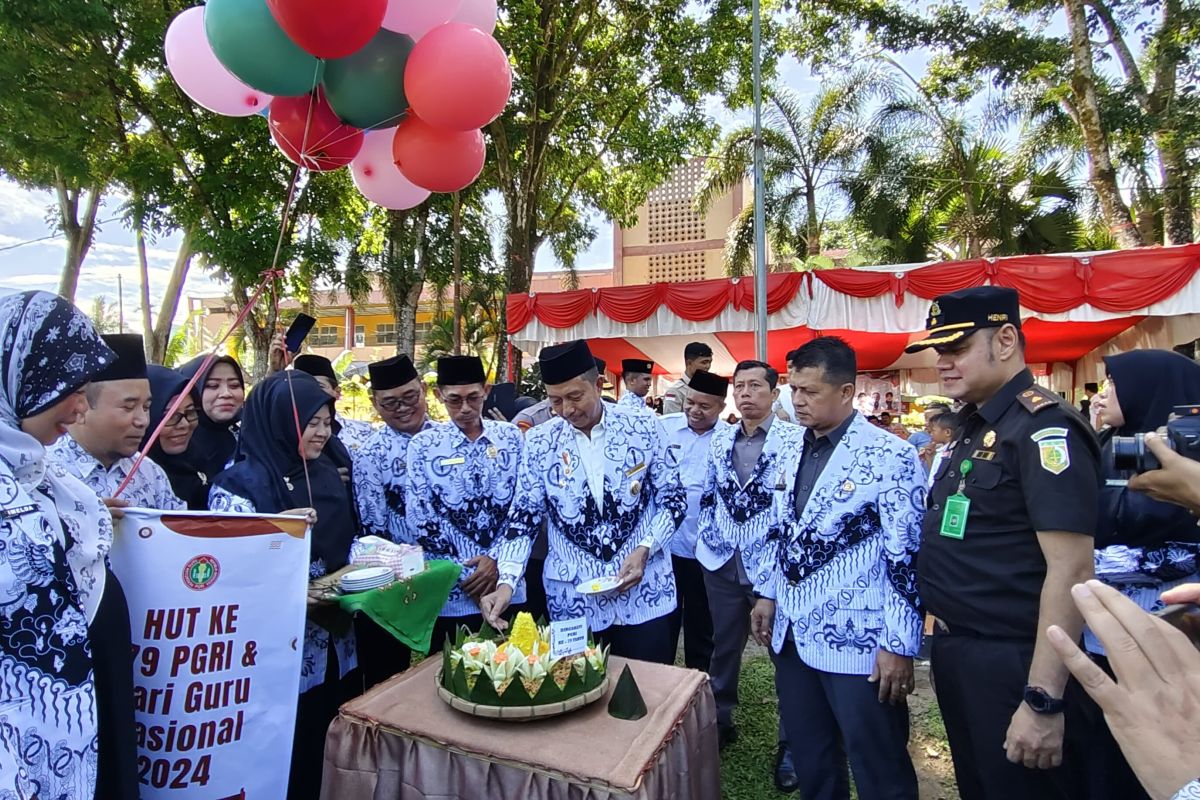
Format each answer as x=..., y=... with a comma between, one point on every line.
x=760, y=239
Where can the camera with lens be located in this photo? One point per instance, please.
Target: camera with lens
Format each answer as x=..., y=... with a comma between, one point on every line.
x=1182, y=436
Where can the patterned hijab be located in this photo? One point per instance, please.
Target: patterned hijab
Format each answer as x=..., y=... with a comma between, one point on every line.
x=54, y=535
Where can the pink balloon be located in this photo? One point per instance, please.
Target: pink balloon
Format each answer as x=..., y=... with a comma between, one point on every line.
x=201, y=76
x=478, y=14
x=457, y=78
x=377, y=177
x=416, y=17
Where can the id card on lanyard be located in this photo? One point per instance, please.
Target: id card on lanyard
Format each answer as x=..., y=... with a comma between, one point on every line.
x=958, y=506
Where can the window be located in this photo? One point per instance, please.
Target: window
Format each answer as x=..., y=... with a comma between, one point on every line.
x=385, y=333
x=360, y=335
x=326, y=336
x=423, y=330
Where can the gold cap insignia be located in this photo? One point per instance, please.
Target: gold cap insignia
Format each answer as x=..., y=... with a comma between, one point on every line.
x=935, y=309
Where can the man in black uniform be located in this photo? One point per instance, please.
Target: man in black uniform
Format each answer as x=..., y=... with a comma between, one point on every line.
x=1007, y=533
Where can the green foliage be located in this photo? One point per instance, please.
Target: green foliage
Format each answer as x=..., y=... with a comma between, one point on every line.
x=807, y=146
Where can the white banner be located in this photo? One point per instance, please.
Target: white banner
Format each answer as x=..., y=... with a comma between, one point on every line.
x=217, y=605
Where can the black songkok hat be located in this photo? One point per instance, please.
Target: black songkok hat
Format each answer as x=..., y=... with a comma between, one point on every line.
x=708, y=383
x=460, y=370
x=131, y=358
x=317, y=366
x=391, y=372
x=637, y=366
x=958, y=314
x=562, y=362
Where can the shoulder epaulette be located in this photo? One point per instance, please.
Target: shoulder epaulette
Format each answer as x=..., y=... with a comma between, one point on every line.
x=1035, y=398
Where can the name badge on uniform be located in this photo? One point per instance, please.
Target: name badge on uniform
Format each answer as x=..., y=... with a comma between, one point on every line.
x=629, y=473
x=958, y=507
x=452, y=462
x=18, y=511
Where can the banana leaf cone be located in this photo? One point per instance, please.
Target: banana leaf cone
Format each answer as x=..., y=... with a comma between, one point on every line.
x=627, y=702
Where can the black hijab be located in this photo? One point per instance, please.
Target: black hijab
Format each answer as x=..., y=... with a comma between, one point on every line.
x=189, y=482
x=1149, y=384
x=213, y=443
x=270, y=470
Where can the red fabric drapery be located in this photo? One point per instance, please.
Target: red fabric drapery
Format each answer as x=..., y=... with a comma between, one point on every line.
x=1122, y=281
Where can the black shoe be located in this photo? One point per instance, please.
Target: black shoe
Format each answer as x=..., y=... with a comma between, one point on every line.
x=786, y=779
x=726, y=736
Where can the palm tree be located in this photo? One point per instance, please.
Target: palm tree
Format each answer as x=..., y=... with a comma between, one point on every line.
x=935, y=183
x=806, y=146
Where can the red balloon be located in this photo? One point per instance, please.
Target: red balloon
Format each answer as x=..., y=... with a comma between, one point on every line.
x=435, y=159
x=329, y=30
x=327, y=144
x=457, y=77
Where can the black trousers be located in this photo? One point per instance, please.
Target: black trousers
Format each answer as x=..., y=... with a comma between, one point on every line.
x=646, y=641
x=830, y=717
x=380, y=654
x=112, y=670
x=692, y=615
x=315, y=711
x=979, y=683
x=535, y=590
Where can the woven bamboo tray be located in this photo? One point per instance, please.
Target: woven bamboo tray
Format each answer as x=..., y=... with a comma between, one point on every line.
x=520, y=713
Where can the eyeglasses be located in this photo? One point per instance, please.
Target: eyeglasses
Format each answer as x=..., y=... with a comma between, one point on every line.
x=472, y=400
x=394, y=404
x=191, y=415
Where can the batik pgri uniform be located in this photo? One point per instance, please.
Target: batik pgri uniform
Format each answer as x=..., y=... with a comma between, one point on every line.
x=458, y=496
x=380, y=475
x=839, y=562
x=602, y=498
x=733, y=523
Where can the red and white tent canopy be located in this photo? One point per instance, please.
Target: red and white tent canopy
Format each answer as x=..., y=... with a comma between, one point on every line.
x=1075, y=308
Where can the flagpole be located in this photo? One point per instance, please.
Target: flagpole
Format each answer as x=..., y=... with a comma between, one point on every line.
x=760, y=225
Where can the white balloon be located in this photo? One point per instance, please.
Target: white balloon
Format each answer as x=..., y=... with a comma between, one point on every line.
x=479, y=13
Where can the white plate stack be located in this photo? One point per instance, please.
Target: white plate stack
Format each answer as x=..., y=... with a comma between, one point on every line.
x=362, y=580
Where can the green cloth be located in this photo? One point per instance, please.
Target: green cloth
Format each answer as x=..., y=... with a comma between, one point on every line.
x=408, y=609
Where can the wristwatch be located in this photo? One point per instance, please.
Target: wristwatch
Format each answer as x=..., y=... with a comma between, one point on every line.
x=1042, y=703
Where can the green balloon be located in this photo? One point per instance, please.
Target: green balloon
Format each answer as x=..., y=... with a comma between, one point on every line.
x=366, y=89
x=249, y=43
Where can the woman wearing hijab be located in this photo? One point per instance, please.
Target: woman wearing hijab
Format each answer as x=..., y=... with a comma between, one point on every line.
x=1144, y=546
x=171, y=449
x=60, y=608
x=220, y=394
x=270, y=477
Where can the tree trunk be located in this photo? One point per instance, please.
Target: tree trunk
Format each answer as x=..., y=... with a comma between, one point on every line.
x=1176, y=193
x=520, y=246
x=1101, y=173
x=456, y=254
x=160, y=337
x=77, y=230
x=139, y=234
x=812, y=236
x=407, y=291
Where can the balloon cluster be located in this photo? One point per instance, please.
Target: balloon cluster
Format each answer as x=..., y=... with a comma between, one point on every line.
x=396, y=89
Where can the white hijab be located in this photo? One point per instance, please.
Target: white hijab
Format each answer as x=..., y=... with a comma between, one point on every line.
x=54, y=534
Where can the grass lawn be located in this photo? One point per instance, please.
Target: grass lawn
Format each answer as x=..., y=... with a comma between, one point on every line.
x=747, y=765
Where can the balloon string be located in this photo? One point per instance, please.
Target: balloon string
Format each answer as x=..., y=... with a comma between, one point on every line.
x=268, y=277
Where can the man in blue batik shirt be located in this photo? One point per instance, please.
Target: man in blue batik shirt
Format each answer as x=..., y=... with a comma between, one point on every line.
x=837, y=586
x=599, y=474
x=380, y=469
x=461, y=478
